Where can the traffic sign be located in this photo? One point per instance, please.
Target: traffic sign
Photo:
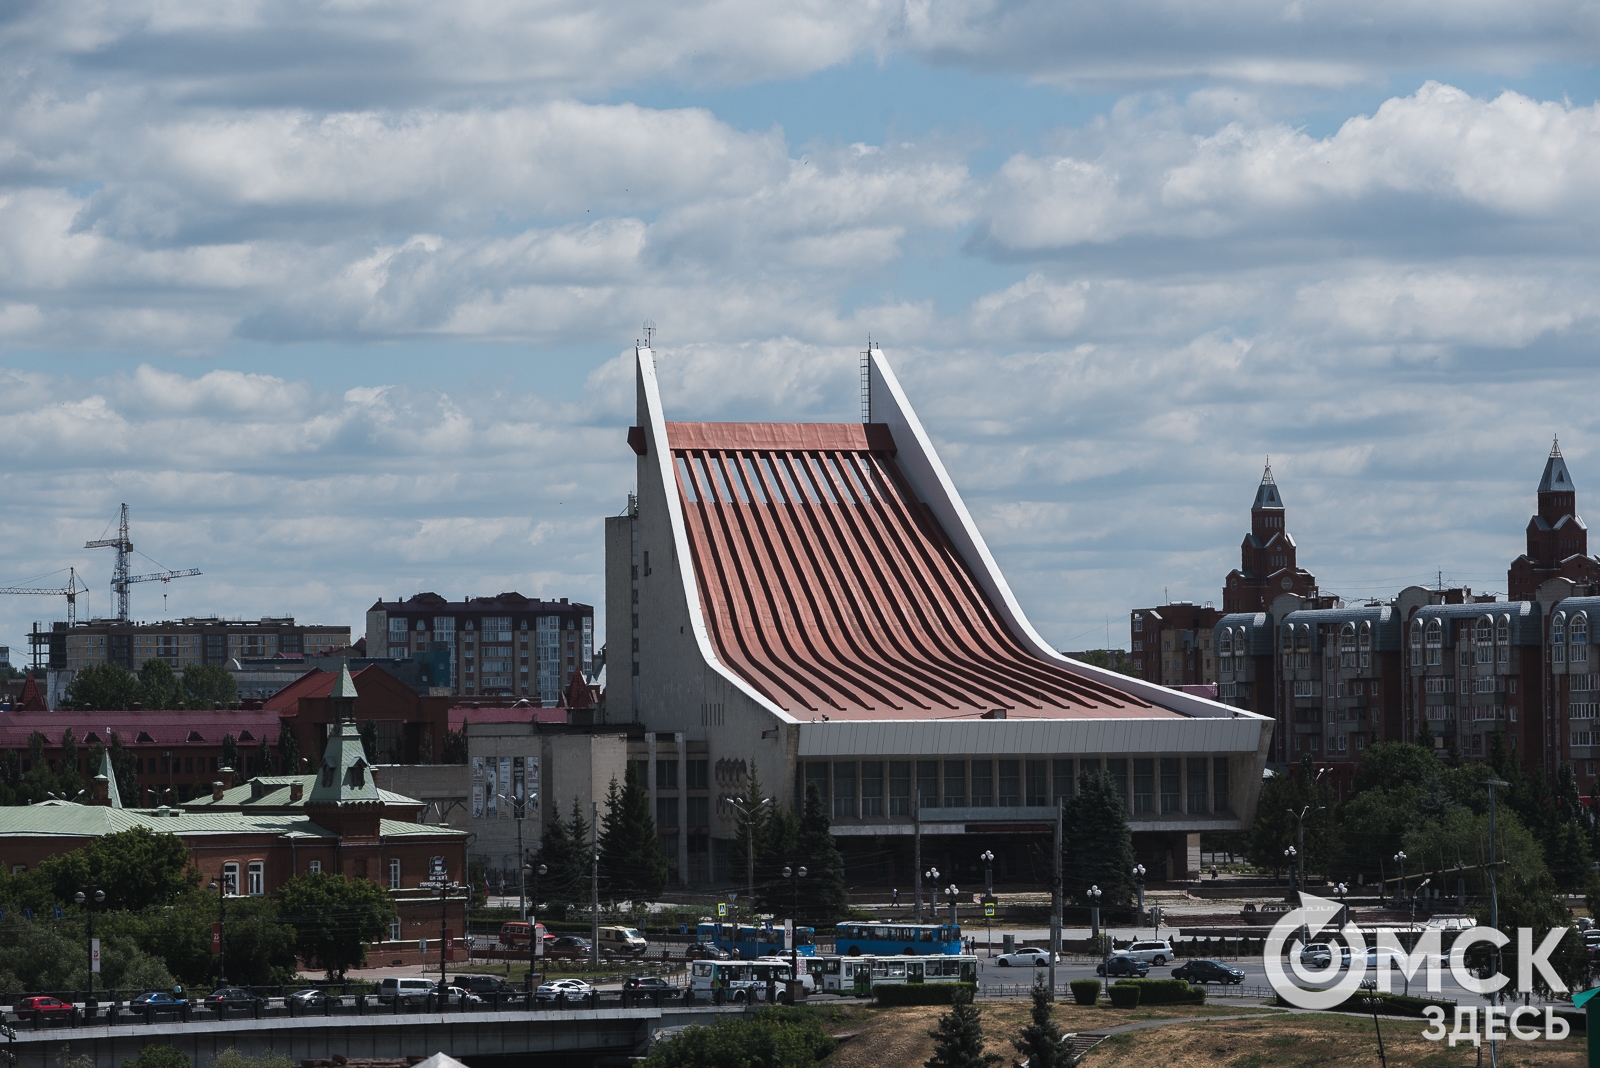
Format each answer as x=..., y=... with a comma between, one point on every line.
x=988, y=911
x=722, y=909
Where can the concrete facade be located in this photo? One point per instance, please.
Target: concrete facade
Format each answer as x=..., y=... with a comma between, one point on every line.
x=1187, y=766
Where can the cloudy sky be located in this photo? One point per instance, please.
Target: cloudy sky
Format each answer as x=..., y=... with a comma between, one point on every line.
x=340, y=297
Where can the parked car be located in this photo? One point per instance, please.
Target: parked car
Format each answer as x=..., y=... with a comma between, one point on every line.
x=413, y=993
x=485, y=986
x=1153, y=952
x=569, y=947
x=1121, y=963
x=574, y=989
x=1318, y=955
x=42, y=1007
x=453, y=997
x=308, y=1000
x=1026, y=957
x=156, y=1003
x=650, y=986
x=706, y=951
x=221, y=1000
x=1208, y=971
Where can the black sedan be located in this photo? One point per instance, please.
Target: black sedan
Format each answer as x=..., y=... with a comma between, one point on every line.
x=221, y=1000
x=705, y=951
x=1207, y=971
x=649, y=987
x=1123, y=964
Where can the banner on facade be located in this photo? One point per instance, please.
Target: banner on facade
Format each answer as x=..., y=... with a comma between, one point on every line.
x=477, y=788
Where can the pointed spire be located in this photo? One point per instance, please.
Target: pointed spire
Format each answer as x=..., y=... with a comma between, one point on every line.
x=1267, y=493
x=1555, y=445
x=1556, y=479
x=344, y=696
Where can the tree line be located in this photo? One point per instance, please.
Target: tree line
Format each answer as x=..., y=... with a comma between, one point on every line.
x=155, y=921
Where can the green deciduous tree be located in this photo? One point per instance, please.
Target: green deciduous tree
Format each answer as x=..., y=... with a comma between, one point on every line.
x=159, y=686
x=288, y=751
x=157, y=1057
x=124, y=766
x=263, y=758
x=51, y=956
x=823, y=897
x=958, y=1041
x=137, y=869
x=1040, y=1041
x=1097, y=842
x=1112, y=660
x=631, y=862
x=69, y=780
x=772, y=1038
x=335, y=918
x=208, y=686
x=106, y=687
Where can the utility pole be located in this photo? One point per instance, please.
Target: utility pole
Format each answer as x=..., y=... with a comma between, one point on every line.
x=594, y=885
x=916, y=848
x=1055, y=903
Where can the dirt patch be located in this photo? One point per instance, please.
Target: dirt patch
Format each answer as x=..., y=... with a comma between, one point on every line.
x=1298, y=1041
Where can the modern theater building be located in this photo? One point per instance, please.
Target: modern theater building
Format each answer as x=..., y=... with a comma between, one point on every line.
x=814, y=599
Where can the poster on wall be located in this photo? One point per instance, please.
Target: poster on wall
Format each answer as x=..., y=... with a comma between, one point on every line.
x=533, y=781
x=491, y=787
x=505, y=782
x=477, y=787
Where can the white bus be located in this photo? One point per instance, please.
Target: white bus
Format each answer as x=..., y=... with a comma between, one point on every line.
x=739, y=980
x=858, y=975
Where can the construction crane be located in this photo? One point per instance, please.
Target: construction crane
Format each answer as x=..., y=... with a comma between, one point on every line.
x=70, y=592
x=120, y=579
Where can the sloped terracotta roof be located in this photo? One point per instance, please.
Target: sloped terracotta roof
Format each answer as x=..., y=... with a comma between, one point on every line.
x=828, y=586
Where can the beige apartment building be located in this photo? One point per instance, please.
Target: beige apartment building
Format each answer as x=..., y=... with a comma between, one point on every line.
x=182, y=642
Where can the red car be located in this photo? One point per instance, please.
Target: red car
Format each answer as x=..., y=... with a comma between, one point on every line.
x=47, y=1007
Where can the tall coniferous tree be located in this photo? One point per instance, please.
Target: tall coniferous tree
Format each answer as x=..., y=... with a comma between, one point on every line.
x=558, y=853
x=751, y=824
x=777, y=846
x=1098, y=843
x=1040, y=1041
x=631, y=861
x=822, y=893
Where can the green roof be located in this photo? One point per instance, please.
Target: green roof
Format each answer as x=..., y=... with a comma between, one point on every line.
x=95, y=821
x=277, y=794
x=345, y=776
x=401, y=828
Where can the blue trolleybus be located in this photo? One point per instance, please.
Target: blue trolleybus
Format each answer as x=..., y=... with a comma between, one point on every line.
x=890, y=939
x=747, y=942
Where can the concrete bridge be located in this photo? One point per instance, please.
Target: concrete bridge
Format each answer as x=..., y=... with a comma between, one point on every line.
x=580, y=1037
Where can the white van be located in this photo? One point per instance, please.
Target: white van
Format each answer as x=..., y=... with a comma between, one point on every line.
x=412, y=993
x=622, y=942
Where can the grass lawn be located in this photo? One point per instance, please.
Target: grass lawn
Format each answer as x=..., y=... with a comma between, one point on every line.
x=899, y=1037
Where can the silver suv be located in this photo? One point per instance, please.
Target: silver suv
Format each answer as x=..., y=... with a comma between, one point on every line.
x=1152, y=952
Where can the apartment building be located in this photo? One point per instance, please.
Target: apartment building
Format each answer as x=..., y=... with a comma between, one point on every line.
x=1173, y=643
x=502, y=646
x=182, y=642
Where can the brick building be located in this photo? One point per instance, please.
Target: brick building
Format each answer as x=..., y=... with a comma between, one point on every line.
x=251, y=845
x=1267, y=565
x=1558, y=540
x=411, y=726
x=508, y=645
x=1172, y=644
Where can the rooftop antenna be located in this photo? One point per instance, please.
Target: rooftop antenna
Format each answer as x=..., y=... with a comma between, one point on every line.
x=649, y=332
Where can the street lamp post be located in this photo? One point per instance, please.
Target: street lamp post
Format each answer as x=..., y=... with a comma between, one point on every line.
x=1400, y=859
x=1094, y=895
x=794, y=875
x=952, y=891
x=89, y=897
x=988, y=893
x=534, y=941
x=1138, y=875
x=1288, y=860
x=444, y=919
x=221, y=887
x=748, y=810
x=932, y=875
x=518, y=812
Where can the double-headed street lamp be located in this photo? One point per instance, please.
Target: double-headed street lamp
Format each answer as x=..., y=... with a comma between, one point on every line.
x=1138, y=876
x=932, y=876
x=952, y=891
x=1288, y=860
x=988, y=896
x=794, y=875
x=519, y=810
x=88, y=898
x=748, y=810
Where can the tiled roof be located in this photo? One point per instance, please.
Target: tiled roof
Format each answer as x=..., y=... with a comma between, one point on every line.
x=171, y=728
x=462, y=714
x=277, y=794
